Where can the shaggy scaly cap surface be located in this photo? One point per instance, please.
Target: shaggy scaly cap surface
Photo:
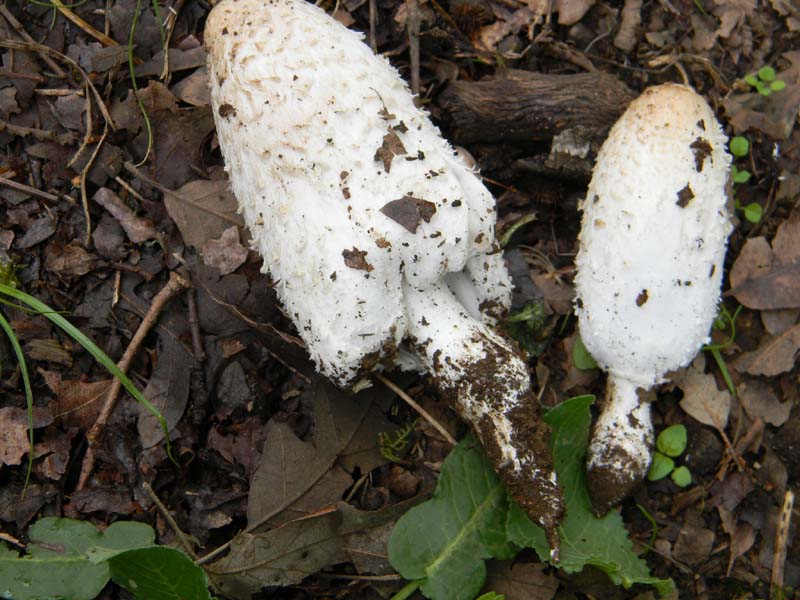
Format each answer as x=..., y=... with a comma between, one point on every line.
x=652, y=243
x=346, y=187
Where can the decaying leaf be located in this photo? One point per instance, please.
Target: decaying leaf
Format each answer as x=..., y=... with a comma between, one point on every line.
x=203, y=210
x=702, y=400
x=296, y=478
x=14, y=442
x=759, y=400
x=226, y=254
x=772, y=358
x=292, y=552
x=76, y=402
x=167, y=390
x=138, y=229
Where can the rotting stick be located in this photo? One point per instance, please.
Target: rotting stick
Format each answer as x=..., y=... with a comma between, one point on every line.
x=21, y=187
x=781, y=543
x=182, y=537
x=175, y=285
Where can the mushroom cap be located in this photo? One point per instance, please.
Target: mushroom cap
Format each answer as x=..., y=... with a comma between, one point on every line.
x=346, y=186
x=653, y=236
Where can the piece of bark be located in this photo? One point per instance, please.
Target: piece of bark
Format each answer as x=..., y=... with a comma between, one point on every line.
x=523, y=106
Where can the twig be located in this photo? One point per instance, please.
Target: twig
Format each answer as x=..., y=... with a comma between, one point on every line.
x=781, y=543
x=185, y=542
x=169, y=26
x=373, y=21
x=84, y=196
x=24, y=35
x=412, y=23
x=26, y=76
x=21, y=187
x=413, y=404
x=175, y=285
x=40, y=134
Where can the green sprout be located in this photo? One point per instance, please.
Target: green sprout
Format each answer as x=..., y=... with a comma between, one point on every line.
x=581, y=357
x=740, y=147
x=390, y=447
x=529, y=327
x=764, y=81
x=670, y=444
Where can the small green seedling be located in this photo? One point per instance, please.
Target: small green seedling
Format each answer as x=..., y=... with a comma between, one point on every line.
x=529, y=326
x=764, y=81
x=740, y=147
x=670, y=444
x=392, y=448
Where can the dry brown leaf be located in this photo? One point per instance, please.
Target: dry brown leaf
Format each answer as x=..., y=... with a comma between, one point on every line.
x=521, y=581
x=627, y=36
x=296, y=478
x=194, y=89
x=203, y=210
x=702, y=400
x=572, y=11
x=138, y=229
x=225, y=254
x=76, y=402
x=759, y=400
x=14, y=442
x=732, y=14
x=774, y=357
x=167, y=390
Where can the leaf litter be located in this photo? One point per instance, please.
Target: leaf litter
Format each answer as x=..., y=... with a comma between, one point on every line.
x=149, y=220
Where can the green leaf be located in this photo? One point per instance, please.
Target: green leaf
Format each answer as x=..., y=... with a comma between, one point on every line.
x=581, y=357
x=739, y=146
x=159, y=573
x=660, y=467
x=753, y=212
x=682, y=476
x=585, y=539
x=777, y=85
x=59, y=563
x=766, y=74
x=672, y=441
x=742, y=176
x=491, y=596
x=751, y=79
x=446, y=540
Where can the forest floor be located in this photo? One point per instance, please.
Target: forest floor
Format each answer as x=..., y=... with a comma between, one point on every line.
x=97, y=238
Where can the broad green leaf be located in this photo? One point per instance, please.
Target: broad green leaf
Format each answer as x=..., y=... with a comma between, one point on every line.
x=446, y=540
x=739, y=146
x=54, y=577
x=682, y=476
x=751, y=79
x=661, y=466
x=59, y=563
x=777, y=85
x=766, y=74
x=159, y=573
x=672, y=441
x=753, y=212
x=585, y=539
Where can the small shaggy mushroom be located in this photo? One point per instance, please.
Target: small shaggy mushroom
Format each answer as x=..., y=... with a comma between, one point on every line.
x=652, y=243
x=379, y=238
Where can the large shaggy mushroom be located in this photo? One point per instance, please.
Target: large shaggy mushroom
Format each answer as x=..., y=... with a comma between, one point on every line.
x=379, y=238
x=652, y=243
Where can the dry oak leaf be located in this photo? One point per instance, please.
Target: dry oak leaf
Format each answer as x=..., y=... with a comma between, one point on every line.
x=702, y=400
x=226, y=254
x=14, y=442
x=759, y=400
x=774, y=357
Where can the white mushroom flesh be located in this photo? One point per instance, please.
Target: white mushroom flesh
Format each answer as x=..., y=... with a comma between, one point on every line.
x=373, y=229
x=652, y=243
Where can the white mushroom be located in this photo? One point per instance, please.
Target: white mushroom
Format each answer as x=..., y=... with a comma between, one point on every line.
x=652, y=243
x=374, y=231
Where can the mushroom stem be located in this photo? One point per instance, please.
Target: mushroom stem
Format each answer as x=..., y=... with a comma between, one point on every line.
x=489, y=384
x=621, y=445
